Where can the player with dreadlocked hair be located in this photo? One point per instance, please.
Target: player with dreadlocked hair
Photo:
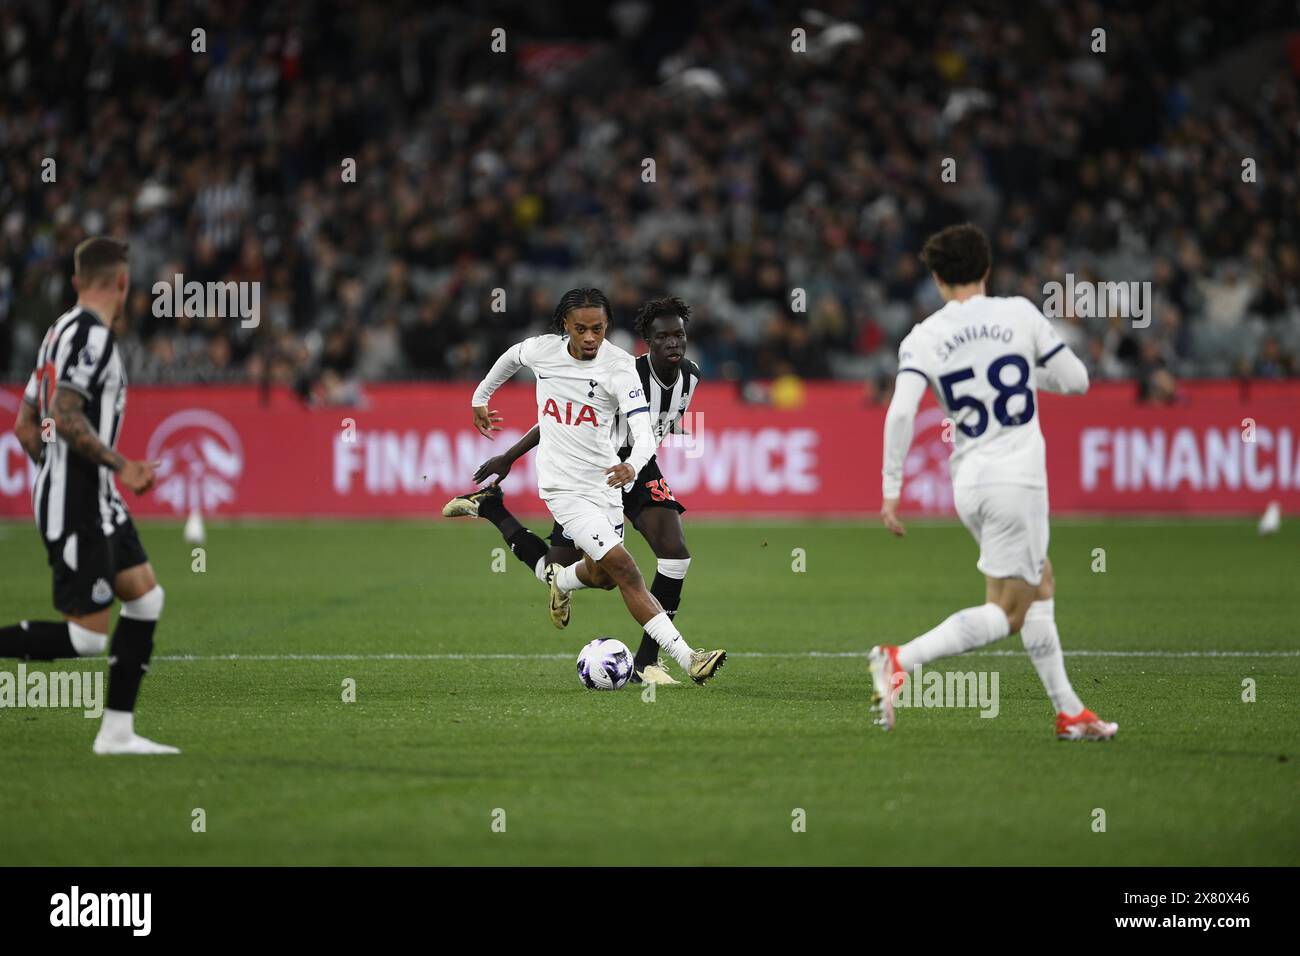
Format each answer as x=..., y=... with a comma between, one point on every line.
x=578, y=299
x=489, y=502
x=667, y=379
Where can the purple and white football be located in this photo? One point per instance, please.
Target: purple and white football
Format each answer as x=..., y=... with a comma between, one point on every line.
x=605, y=664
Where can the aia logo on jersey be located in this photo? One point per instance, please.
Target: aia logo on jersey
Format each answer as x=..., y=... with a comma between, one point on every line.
x=584, y=413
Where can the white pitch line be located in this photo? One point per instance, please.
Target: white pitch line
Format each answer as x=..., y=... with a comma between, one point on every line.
x=779, y=654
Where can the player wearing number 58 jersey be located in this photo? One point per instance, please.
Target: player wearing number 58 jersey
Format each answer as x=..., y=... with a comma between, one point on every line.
x=985, y=359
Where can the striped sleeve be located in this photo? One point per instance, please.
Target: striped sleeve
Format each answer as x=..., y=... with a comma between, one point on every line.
x=81, y=352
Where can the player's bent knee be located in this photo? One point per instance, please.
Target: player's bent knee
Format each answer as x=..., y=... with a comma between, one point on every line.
x=672, y=551
x=147, y=607
x=85, y=642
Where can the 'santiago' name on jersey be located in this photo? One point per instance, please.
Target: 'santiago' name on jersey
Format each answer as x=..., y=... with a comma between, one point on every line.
x=973, y=333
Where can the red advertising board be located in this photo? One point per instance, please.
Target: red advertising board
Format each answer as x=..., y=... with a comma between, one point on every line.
x=1220, y=450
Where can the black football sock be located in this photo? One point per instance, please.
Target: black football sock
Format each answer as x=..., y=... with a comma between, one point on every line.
x=128, y=660
x=37, y=641
x=669, y=593
x=493, y=508
x=525, y=545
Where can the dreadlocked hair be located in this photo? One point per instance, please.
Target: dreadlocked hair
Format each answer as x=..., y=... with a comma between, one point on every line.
x=579, y=299
x=658, y=308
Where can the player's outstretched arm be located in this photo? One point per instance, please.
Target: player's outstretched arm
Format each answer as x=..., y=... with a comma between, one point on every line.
x=74, y=427
x=500, y=465
x=1061, y=371
x=488, y=420
x=899, y=423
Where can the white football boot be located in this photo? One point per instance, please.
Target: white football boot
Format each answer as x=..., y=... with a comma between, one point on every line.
x=107, y=744
x=656, y=674
x=117, y=736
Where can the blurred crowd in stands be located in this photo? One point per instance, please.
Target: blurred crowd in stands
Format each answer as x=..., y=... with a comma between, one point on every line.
x=789, y=194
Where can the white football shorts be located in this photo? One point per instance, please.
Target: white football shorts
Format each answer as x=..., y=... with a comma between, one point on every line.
x=1010, y=524
x=594, y=526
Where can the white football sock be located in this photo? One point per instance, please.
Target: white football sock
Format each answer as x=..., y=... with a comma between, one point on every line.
x=1043, y=643
x=85, y=642
x=964, y=631
x=665, y=634
x=118, y=724
x=539, y=569
x=567, y=579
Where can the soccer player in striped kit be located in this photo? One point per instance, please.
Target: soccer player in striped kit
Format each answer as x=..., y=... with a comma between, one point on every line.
x=94, y=552
x=670, y=380
x=586, y=387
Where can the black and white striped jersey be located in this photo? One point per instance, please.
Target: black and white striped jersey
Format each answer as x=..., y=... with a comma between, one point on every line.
x=71, y=492
x=668, y=401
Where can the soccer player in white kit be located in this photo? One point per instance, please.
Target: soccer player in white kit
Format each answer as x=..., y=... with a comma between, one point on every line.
x=985, y=358
x=583, y=384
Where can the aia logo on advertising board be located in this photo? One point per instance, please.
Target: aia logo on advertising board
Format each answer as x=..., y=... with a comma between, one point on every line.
x=926, y=482
x=202, y=461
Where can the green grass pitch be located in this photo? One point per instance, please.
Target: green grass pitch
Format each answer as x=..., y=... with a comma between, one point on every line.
x=477, y=715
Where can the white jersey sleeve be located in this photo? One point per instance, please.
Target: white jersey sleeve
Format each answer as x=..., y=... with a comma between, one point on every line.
x=913, y=355
x=504, y=369
x=31, y=394
x=900, y=421
x=1047, y=342
x=1058, y=369
x=634, y=407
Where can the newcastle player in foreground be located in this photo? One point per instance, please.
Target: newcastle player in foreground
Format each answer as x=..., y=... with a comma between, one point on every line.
x=669, y=380
x=80, y=385
x=985, y=358
x=584, y=385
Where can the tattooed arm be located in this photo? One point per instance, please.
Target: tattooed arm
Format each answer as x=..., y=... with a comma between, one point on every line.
x=28, y=429
x=75, y=429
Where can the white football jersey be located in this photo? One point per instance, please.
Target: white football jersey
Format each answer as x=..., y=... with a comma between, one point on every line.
x=578, y=402
x=979, y=357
